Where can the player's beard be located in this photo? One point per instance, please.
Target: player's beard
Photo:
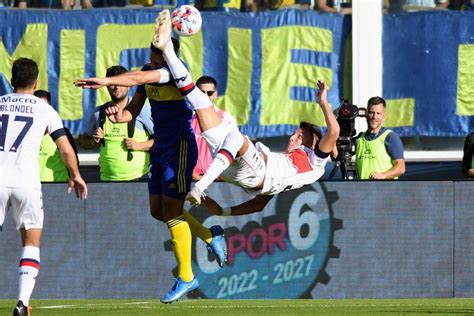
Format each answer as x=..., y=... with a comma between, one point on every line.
x=118, y=99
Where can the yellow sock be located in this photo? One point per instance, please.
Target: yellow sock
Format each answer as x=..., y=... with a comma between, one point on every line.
x=197, y=229
x=181, y=240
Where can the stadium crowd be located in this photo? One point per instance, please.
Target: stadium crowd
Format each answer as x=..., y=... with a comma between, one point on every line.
x=331, y=6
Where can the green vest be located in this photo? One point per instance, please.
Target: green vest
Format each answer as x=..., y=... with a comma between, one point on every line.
x=371, y=155
x=52, y=168
x=113, y=162
x=472, y=161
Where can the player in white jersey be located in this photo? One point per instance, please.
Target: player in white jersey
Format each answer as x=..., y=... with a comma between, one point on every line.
x=24, y=119
x=236, y=159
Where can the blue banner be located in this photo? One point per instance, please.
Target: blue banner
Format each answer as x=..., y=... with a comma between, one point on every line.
x=428, y=72
x=266, y=64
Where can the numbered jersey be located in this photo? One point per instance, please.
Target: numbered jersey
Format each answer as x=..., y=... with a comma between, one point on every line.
x=23, y=121
x=292, y=170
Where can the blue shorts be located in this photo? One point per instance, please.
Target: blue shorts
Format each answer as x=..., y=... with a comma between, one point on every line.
x=172, y=168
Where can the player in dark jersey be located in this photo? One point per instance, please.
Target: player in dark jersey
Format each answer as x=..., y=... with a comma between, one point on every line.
x=172, y=160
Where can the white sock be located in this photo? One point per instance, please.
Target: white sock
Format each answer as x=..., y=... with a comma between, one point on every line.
x=221, y=161
x=231, y=145
x=28, y=270
x=184, y=82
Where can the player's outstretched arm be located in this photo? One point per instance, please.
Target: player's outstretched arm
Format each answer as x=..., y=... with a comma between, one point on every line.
x=127, y=79
x=69, y=157
x=251, y=206
x=91, y=83
x=328, y=141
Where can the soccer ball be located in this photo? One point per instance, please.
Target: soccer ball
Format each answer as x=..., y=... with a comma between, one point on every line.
x=186, y=20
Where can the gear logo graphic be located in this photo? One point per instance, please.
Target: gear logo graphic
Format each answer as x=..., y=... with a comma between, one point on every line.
x=282, y=252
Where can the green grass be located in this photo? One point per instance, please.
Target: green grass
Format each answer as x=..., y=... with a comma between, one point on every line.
x=248, y=307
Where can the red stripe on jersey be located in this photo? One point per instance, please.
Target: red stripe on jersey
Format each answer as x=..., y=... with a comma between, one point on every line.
x=299, y=158
x=226, y=154
x=186, y=89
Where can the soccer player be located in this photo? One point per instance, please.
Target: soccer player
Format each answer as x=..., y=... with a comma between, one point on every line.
x=236, y=159
x=24, y=119
x=172, y=161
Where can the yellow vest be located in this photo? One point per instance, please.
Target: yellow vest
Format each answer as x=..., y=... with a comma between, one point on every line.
x=52, y=167
x=372, y=156
x=113, y=162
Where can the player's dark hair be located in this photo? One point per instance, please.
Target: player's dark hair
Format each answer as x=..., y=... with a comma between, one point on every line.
x=313, y=129
x=375, y=101
x=206, y=80
x=43, y=94
x=115, y=71
x=24, y=73
x=175, y=47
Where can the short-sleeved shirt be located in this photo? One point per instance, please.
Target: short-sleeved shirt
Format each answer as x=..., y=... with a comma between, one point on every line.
x=291, y=170
x=24, y=119
x=204, y=154
x=171, y=114
x=113, y=159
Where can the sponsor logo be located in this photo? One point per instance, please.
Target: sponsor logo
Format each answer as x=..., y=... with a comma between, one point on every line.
x=180, y=79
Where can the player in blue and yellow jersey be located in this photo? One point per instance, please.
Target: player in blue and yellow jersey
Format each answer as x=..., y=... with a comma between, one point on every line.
x=172, y=161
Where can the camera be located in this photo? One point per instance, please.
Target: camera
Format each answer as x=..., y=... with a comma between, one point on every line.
x=346, y=114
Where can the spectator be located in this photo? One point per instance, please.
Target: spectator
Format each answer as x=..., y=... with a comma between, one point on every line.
x=226, y=5
x=124, y=151
x=208, y=85
x=468, y=158
x=379, y=151
x=463, y=5
x=334, y=6
x=52, y=167
x=416, y=5
x=288, y=4
x=63, y=4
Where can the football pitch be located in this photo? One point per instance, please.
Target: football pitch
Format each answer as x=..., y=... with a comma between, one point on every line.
x=248, y=307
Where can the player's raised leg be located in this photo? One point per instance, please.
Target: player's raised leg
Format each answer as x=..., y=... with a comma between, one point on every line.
x=225, y=141
x=207, y=115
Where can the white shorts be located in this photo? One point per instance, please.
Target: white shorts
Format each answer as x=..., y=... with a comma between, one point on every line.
x=247, y=171
x=25, y=204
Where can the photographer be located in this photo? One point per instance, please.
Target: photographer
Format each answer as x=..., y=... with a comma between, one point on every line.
x=379, y=151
